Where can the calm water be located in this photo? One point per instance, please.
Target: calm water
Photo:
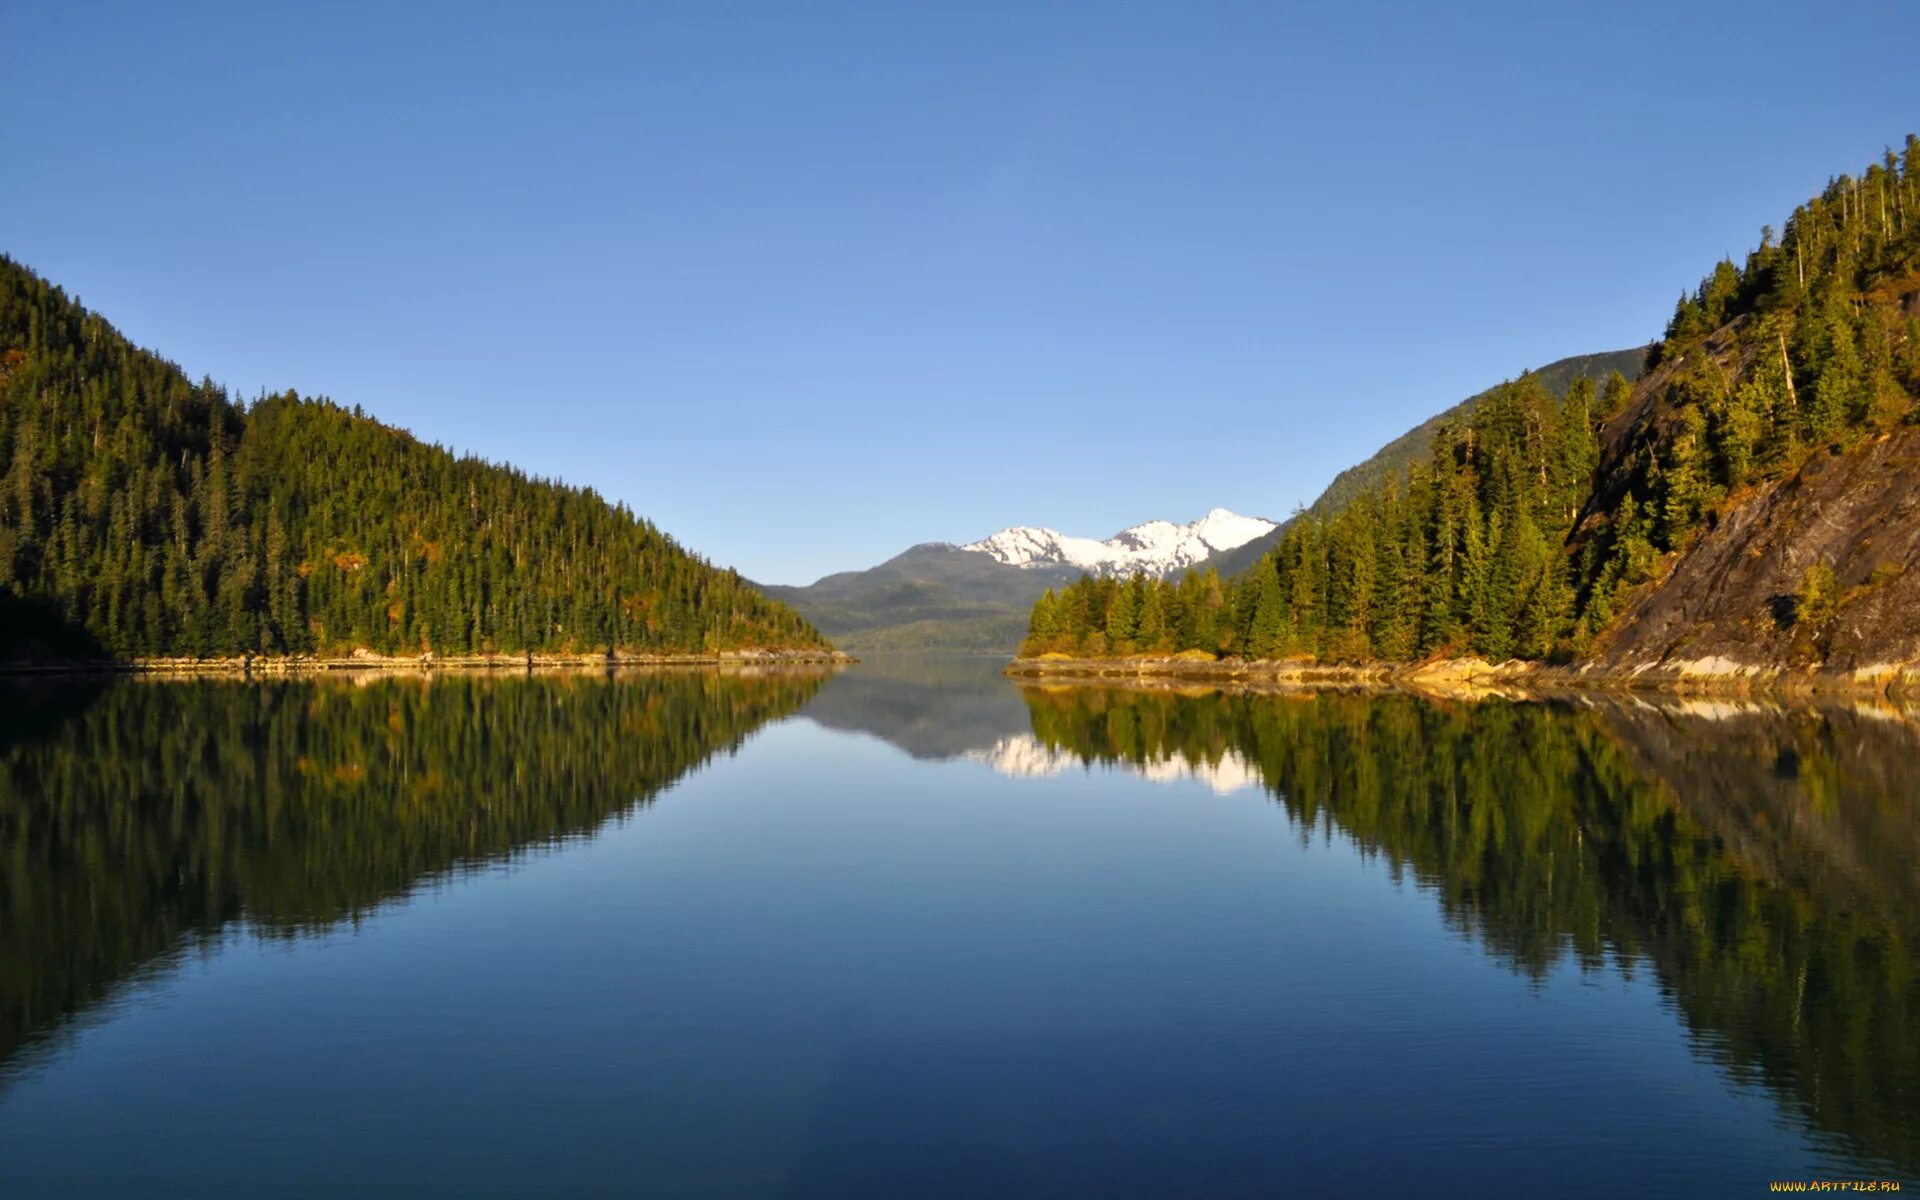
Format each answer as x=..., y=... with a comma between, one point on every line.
x=910, y=930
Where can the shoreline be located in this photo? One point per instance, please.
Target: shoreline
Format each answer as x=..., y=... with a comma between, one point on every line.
x=284, y=665
x=1708, y=677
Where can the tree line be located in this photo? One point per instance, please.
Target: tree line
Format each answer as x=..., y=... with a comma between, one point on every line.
x=1532, y=521
x=1458, y=553
x=144, y=514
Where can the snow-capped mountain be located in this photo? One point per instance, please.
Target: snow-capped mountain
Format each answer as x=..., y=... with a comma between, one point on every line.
x=1156, y=547
x=936, y=595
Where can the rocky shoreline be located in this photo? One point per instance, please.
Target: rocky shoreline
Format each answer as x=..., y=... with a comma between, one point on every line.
x=1707, y=676
x=259, y=664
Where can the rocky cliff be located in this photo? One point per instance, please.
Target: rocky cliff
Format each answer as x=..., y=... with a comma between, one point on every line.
x=1751, y=597
x=1811, y=575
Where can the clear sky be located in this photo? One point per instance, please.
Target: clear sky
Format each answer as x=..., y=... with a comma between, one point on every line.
x=807, y=283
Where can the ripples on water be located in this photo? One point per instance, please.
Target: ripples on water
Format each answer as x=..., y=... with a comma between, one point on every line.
x=1072, y=941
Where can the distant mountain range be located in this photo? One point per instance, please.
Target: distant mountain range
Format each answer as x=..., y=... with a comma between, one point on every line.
x=977, y=596
x=1156, y=547
x=940, y=596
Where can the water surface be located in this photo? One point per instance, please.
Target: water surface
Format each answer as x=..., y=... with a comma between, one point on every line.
x=910, y=929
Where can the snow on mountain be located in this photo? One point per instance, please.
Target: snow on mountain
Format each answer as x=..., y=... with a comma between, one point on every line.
x=1156, y=547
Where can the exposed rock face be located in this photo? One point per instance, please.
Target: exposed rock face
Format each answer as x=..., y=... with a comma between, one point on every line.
x=1729, y=605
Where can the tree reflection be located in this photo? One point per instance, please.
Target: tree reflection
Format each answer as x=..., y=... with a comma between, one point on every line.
x=1765, y=862
x=139, y=817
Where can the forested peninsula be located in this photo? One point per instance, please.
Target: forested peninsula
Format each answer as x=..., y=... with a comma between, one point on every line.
x=144, y=516
x=1749, y=509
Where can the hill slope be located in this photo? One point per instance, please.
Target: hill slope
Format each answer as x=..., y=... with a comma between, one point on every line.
x=1738, y=601
x=938, y=596
x=1747, y=507
x=1399, y=455
x=144, y=514
x=934, y=596
x=1410, y=447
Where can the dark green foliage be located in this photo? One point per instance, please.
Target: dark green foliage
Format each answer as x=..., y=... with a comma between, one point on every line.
x=155, y=516
x=1390, y=464
x=141, y=817
x=1465, y=556
x=1410, y=448
x=1143, y=615
x=1815, y=341
x=1546, y=838
x=1531, y=520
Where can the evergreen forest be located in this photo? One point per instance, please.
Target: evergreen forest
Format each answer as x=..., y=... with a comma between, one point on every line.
x=1532, y=521
x=142, y=818
x=143, y=514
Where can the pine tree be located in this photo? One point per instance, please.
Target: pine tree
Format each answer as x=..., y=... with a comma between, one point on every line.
x=1150, y=635
x=1267, y=615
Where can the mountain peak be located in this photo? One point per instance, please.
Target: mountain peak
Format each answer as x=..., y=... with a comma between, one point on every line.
x=1157, y=547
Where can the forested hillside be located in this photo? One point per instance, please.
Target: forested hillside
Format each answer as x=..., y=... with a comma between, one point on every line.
x=135, y=820
x=144, y=514
x=1412, y=447
x=1403, y=453
x=1462, y=550
x=1534, y=523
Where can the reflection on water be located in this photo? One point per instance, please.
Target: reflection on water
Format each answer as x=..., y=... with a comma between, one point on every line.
x=837, y=964
x=1764, y=860
x=140, y=817
x=1024, y=756
x=933, y=706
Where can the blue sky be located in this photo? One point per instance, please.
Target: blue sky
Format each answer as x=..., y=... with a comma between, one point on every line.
x=809, y=283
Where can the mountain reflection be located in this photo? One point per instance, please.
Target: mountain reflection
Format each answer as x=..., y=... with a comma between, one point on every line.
x=1764, y=861
x=1023, y=756
x=932, y=706
x=139, y=817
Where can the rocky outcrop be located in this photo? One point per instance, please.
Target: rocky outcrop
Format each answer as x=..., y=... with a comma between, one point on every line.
x=1749, y=598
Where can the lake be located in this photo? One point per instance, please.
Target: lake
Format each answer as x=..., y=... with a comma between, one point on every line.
x=909, y=929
